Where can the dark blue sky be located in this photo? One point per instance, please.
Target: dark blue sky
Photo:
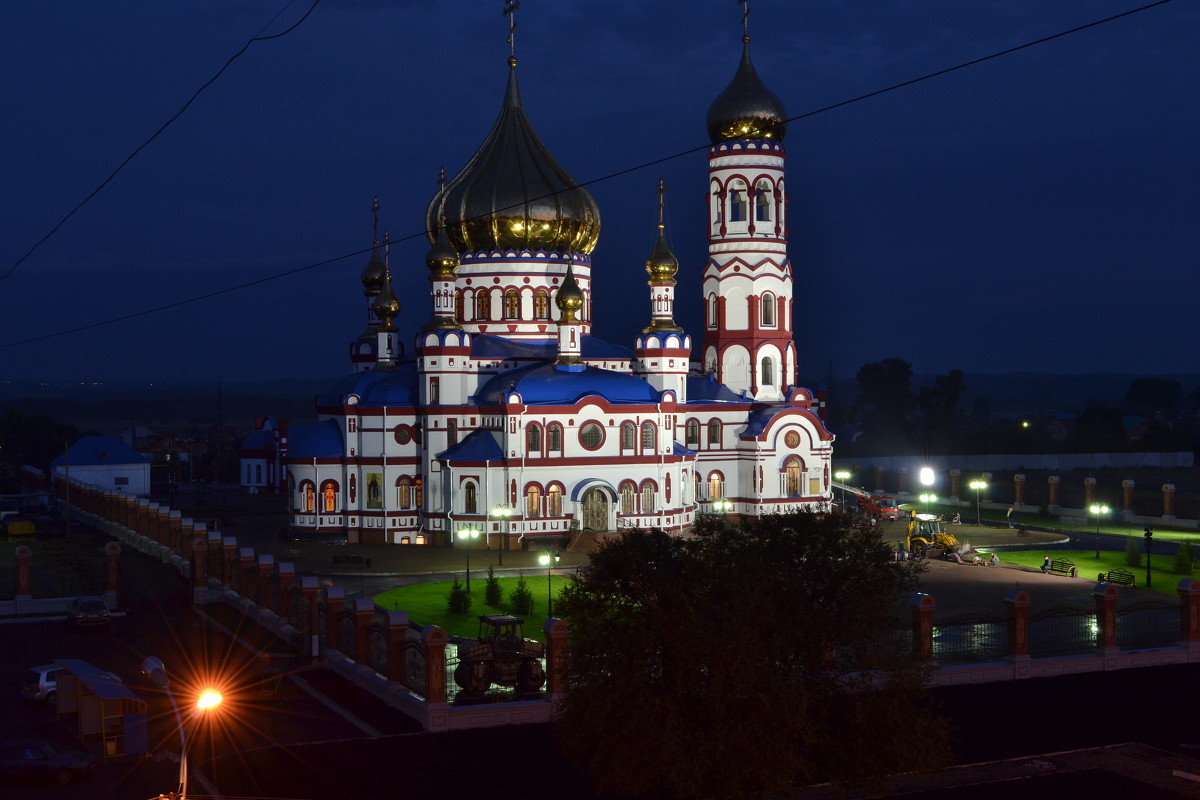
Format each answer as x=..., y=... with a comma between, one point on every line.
x=1034, y=213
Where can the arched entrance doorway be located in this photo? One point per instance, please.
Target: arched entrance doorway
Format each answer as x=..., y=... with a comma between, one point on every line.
x=595, y=510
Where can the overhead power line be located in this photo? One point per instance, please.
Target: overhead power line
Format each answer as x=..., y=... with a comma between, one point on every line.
x=609, y=176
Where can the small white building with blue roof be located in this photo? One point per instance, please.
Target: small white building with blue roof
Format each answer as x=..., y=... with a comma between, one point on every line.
x=509, y=418
x=105, y=462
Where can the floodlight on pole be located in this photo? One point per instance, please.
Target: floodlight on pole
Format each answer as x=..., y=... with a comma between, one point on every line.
x=152, y=667
x=548, y=561
x=843, y=476
x=1097, y=509
x=468, y=534
x=978, y=486
x=927, y=499
x=503, y=512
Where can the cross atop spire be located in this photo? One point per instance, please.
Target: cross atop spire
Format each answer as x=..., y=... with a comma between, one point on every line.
x=661, y=191
x=375, y=226
x=510, y=11
x=745, y=4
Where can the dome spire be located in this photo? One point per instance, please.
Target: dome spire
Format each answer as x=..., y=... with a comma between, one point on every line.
x=662, y=265
x=569, y=301
x=372, y=274
x=746, y=109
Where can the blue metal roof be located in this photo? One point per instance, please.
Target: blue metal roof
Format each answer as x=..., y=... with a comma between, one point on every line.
x=92, y=451
x=487, y=346
x=551, y=384
x=258, y=440
x=680, y=450
x=760, y=418
x=705, y=389
x=479, y=445
x=320, y=440
x=376, y=387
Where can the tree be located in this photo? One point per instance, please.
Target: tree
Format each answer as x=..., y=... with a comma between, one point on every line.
x=1158, y=394
x=938, y=406
x=749, y=658
x=885, y=401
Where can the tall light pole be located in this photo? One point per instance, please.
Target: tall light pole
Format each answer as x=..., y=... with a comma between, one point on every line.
x=152, y=667
x=843, y=476
x=503, y=512
x=547, y=561
x=978, y=486
x=927, y=499
x=1098, y=509
x=467, y=535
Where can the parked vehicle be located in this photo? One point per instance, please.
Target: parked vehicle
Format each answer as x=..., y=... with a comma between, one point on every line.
x=44, y=760
x=500, y=655
x=88, y=612
x=41, y=683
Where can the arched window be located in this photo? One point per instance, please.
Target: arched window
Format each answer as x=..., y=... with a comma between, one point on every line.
x=737, y=203
x=533, y=500
x=458, y=305
x=692, y=432
x=792, y=478
x=541, y=304
x=308, y=496
x=762, y=202
x=627, y=498
x=329, y=496
x=483, y=306
x=768, y=309
x=699, y=487
x=533, y=439
x=512, y=304
x=469, y=501
x=452, y=432
x=716, y=486
x=768, y=372
x=649, y=500
x=628, y=435
x=554, y=501
x=712, y=311
x=714, y=433
x=554, y=438
x=649, y=436
x=404, y=492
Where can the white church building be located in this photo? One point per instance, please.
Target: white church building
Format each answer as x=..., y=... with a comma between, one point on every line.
x=509, y=418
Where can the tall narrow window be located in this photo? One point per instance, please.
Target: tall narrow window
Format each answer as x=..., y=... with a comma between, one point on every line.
x=628, y=435
x=554, y=438
x=533, y=501
x=418, y=492
x=768, y=309
x=768, y=372
x=762, y=202
x=310, y=496
x=648, y=498
x=458, y=305
x=469, y=499
x=716, y=486
x=792, y=481
x=554, y=501
x=533, y=439
x=737, y=205
x=541, y=304
x=714, y=433
x=435, y=394
x=329, y=493
x=451, y=432
x=649, y=436
x=712, y=311
x=627, y=498
x=692, y=435
x=512, y=304
x=403, y=493
x=483, y=306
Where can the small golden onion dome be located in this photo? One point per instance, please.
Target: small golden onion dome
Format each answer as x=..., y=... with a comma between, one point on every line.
x=386, y=305
x=569, y=298
x=441, y=259
x=372, y=274
x=662, y=263
x=746, y=109
x=513, y=194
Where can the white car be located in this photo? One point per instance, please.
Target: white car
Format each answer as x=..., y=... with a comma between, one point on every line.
x=41, y=683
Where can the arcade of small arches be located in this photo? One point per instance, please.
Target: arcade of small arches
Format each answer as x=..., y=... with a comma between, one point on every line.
x=733, y=198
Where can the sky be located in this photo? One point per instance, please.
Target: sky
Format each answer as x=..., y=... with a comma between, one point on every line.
x=1033, y=213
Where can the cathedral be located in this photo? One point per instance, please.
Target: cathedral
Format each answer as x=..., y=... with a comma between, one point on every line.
x=510, y=423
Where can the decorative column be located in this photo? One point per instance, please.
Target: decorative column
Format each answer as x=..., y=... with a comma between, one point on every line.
x=112, y=574
x=199, y=567
x=1105, y=596
x=246, y=560
x=286, y=572
x=24, y=598
x=229, y=561
x=1127, y=496
x=1018, y=490
x=557, y=638
x=1053, y=483
x=1168, y=491
x=435, y=640
x=923, y=607
x=1089, y=491
x=397, y=634
x=1018, y=604
x=955, y=483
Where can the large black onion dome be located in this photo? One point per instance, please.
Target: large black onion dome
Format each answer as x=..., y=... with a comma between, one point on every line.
x=746, y=109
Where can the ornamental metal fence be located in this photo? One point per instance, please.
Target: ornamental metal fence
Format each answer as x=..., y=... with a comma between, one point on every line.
x=1062, y=631
x=1142, y=624
x=971, y=636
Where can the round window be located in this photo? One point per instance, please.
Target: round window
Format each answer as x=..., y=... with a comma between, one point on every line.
x=792, y=439
x=403, y=434
x=591, y=435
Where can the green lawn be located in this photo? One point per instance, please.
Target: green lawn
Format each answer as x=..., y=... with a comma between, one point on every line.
x=1108, y=524
x=1164, y=579
x=426, y=604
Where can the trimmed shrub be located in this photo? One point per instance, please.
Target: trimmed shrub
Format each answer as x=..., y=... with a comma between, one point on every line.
x=521, y=597
x=1185, y=559
x=458, y=601
x=492, y=593
x=1133, y=552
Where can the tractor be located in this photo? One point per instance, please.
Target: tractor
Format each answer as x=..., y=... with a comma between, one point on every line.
x=925, y=534
x=501, y=656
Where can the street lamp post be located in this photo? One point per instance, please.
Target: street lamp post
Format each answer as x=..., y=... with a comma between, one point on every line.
x=926, y=478
x=843, y=477
x=503, y=512
x=152, y=667
x=468, y=534
x=978, y=486
x=547, y=561
x=1098, y=509
x=927, y=499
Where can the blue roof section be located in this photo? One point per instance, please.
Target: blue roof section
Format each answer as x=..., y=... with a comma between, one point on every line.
x=320, y=440
x=376, y=387
x=477, y=446
x=546, y=384
x=487, y=346
x=93, y=451
x=705, y=389
x=680, y=450
x=760, y=418
x=258, y=440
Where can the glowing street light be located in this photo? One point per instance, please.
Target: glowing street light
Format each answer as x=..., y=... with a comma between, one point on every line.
x=978, y=486
x=467, y=535
x=843, y=476
x=547, y=561
x=152, y=667
x=722, y=506
x=927, y=499
x=1098, y=509
x=503, y=512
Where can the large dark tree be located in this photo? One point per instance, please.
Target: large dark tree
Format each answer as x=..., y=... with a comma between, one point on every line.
x=885, y=401
x=1156, y=394
x=750, y=658
x=938, y=405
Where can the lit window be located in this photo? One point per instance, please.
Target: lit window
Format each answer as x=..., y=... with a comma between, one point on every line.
x=792, y=480
x=554, y=501
x=483, y=306
x=716, y=486
x=648, y=499
x=541, y=304
x=403, y=493
x=533, y=501
x=329, y=492
x=627, y=498
x=512, y=305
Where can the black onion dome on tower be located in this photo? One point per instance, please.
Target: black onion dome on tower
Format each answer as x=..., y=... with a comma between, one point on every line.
x=513, y=195
x=746, y=109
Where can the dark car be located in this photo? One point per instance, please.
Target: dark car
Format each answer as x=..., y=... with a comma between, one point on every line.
x=38, y=759
x=88, y=612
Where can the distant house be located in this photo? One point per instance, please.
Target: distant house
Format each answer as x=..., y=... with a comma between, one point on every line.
x=107, y=462
x=261, y=457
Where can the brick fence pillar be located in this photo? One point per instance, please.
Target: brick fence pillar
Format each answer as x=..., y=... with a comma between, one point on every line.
x=1168, y=491
x=335, y=601
x=879, y=479
x=1053, y=483
x=364, y=612
x=266, y=565
x=174, y=528
x=397, y=635
x=922, y=606
x=435, y=640
x=246, y=560
x=1089, y=491
x=1018, y=604
x=902, y=479
x=112, y=574
x=955, y=483
x=286, y=572
x=309, y=586
x=1105, y=597
x=1018, y=489
x=199, y=564
x=24, y=571
x=1126, y=496
x=229, y=561
x=557, y=639
x=1189, y=610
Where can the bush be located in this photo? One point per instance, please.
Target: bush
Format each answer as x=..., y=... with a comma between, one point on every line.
x=458, y=601
x=1133, y=552
x=521, y=598
x=492, y=593
x=1185, y=559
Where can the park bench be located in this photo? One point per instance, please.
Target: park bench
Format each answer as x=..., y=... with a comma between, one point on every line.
x=1120, y=576
x=351, y=558
x=1063, y=566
